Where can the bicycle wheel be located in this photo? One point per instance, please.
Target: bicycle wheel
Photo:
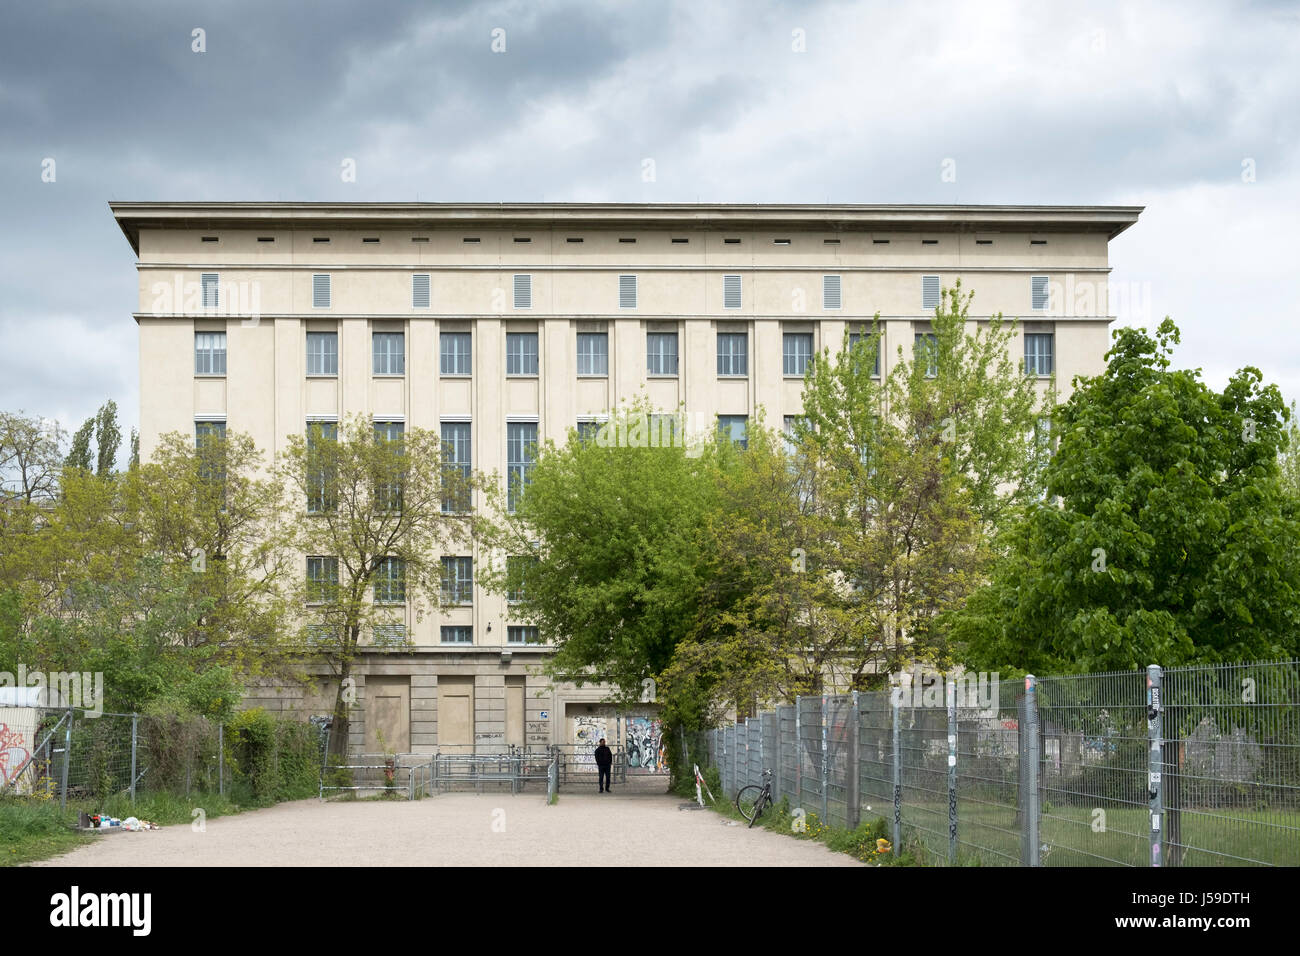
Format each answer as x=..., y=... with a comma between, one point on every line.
x=749, y=802
x=763, y=803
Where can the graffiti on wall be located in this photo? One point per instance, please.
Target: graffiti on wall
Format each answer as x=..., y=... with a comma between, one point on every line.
x=587, y=731
x=12, y=753
x=644, y=744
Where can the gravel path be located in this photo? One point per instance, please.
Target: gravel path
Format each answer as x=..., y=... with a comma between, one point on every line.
x=461, y=829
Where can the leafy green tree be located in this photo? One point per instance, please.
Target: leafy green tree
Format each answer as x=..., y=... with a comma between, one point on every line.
x=373, y=505
x=615, y=525
x=1167, y=540
x=103, y=428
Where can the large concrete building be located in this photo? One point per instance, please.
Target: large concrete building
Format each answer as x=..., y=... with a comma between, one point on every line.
x=499, y=325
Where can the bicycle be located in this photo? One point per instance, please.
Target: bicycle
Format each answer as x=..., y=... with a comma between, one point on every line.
x=753, y=800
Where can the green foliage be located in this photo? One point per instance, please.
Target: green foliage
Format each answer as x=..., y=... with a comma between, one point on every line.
x=1167, y=537
x=278, y=759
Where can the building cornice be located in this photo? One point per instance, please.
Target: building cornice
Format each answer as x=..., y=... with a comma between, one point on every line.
x=134, y=216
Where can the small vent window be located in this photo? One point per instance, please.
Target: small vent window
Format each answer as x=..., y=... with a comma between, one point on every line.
x=523, y=292
x=830, y=292
x=1038, y=292
x=211, y=284
x=420, y=290
x=627, y=292
x=320, y=291
x=731, y=292
x=930, y=292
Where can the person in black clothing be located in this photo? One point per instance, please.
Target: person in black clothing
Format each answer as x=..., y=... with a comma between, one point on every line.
x=604, y=759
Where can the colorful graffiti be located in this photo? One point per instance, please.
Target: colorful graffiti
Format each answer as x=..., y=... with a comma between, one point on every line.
x=13, y=755
x=587, y=732
x=644, y=744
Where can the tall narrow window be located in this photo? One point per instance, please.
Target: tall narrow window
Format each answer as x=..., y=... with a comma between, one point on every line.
x=796, y=352
x=210, y=282
x=420, y=290
x=322, y=579
x=521, y=452
x=456, y=357
x=733, y=353
x=458, y=580
x=209, y=440
x=322, y=353
x=731, y=292
x=925, y=346
x=627, y=292
x=1038, y=353
x=390, y=581
x=661, y=353
x=322, y=471
x=209, y=353
x=518, y=568
x=388, y=486
x=320, y=291
x=457, y=458
x=931, y=293
x=521, y=353
x=523, y=292
x=830, y=292
x=389, y=349
x=593, y=353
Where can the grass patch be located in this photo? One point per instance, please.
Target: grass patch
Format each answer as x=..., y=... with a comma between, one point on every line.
x=35, y=830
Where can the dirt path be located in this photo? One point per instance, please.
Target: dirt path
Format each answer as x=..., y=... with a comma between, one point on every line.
x=461, y=829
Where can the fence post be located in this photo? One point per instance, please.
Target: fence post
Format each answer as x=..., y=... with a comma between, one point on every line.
x=1155, y=765
x=221, y=759
x=776, y=756
x=135, y=737
x=1031, y=767
x=951, y=693
x=67, y=759
x=852, y=782
x=895, y=707
x=825, y=753
x=798, y=754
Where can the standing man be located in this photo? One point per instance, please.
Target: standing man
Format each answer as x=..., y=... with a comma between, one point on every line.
x=604, y=759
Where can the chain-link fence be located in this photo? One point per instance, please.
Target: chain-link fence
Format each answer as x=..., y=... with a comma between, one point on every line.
x=1196, y=766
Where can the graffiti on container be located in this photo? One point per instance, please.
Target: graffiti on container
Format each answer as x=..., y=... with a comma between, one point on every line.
x=12, y=753
x=645, y=745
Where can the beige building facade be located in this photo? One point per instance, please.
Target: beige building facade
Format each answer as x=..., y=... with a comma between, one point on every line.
x=502, y=325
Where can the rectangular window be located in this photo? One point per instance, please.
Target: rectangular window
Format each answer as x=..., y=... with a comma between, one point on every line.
x=388, y=494
x=588, y=429
x=925, y=346
x=931, y=293
x=320, y=291
x=390, y=581
x=458, y=580
x=734, y=428
x=1038, y=353
x=830, y=292
x=208, y=431
x=420, y=290
x=456, y=356
x=211, y=461
x=321, y=470
x=796, y=352
x=209, y=353
x=521, y=353
x=523, y=292
x=627, y=292
x=1038, y=292
x=457, y=460
x=322, y=580
x=593, y=353
x=210, y=283
x=389, y=635
x=733, y=353
x=518, y=567
x=521, y=452
x=731, y=292
x=389, y=350
x=521, y=635
x=857, y=337
x=661, y=353
x=457, y=635
x=666, y=431
x=791, y=424
x=322, y=353
x=321, y=635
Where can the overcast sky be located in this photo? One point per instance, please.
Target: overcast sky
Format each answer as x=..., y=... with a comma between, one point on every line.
x=1188, y=108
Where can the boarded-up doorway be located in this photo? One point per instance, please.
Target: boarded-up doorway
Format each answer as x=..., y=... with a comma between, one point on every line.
x=388, y=715
x=456, y=714
x=515, y=711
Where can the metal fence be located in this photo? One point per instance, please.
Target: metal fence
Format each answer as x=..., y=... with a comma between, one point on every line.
x=1195, y=766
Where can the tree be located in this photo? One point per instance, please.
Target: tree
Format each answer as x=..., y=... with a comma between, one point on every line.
x=107, y=435
x=1168, y=540
x=372, y=513
x=30, y=458
x=615, y=525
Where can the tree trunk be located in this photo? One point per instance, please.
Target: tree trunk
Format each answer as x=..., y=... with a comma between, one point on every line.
x=340, y=725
